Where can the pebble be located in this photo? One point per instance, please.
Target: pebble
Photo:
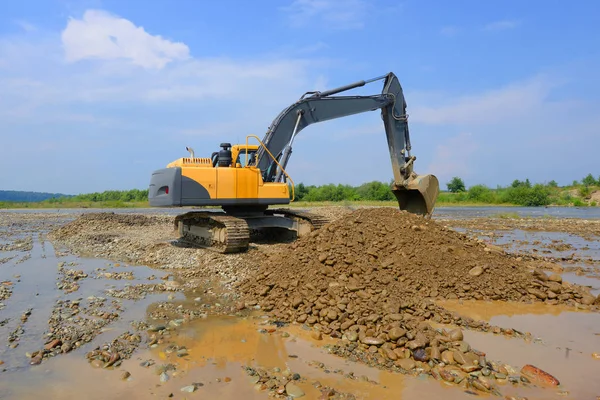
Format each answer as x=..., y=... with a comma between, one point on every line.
x=164, y=377
x=352, y=336
x=476, y=271
x=125, y=375
x=189, y=389
x=316, y=335
x=596, y=356
x=294, y=390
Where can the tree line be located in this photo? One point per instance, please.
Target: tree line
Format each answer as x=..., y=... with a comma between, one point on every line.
x=519, y=192
x=523, y=193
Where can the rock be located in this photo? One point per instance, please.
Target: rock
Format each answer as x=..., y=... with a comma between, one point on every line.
x=538, y=293
x=296, y=301
x=316, y=335
x=538, y=375
x=188, y=389
x=390, y=354
x=53, y=344
x=419, y=341
x=406, y=364
x=396, y=333
x=588, y=300
x=594, y=356
x=372, y=341
x=164, y=377
x=420, y=355
x=455, y=335
x=125, y=375
x=352, y=336
x=555, y=278
x=541, y=275
x=476, y=271
x=293, y=390
x=435, y=353
x=97, y=363
x=448, y=357
x=182, y=353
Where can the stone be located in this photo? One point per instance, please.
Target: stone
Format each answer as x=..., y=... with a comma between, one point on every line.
x=587, y=299
x=406, y=364
x=555, y=278
x=372, y=341
x=535, y=374
x=125, y=375
x=352, y=336
x=53, y=344
x=476, y=271
x=448, y=357
x=538, y=293
x=396, y=333
x=188, y=389
x=294, y=390
x=455, y=335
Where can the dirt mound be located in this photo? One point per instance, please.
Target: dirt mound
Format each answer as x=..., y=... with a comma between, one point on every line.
x=106, y=221
x=395, y=254
x=371, y=277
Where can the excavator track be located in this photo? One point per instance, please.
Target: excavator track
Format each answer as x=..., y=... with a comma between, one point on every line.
x=317, y=221
x=215, y=231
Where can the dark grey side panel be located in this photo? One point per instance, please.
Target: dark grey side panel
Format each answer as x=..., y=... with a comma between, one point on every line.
x=161, y=179
x=190, y=189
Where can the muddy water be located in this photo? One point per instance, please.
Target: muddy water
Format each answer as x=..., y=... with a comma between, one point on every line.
x=219, y=348
x=563, y=344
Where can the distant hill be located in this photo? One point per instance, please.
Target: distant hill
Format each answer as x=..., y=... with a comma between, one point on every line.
x=16, y=195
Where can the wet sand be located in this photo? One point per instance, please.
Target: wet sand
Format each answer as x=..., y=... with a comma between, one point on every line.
x=563, y=338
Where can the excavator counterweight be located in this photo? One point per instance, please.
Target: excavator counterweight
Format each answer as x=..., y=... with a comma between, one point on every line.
x=244, y=179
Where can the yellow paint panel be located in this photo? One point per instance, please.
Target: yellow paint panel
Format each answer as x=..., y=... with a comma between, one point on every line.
x=247, y=183
x=226, y=181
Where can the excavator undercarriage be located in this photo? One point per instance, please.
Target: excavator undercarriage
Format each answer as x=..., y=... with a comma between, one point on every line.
x=231, y=231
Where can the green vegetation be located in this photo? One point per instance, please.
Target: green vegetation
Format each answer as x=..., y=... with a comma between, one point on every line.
x=20, y=196
x=108, y=199
x=456, y=185
x=519, y=193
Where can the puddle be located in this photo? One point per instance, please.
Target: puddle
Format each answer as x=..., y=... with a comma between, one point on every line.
x=220, y=347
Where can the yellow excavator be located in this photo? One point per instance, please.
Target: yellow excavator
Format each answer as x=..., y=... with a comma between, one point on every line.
x=245, y=179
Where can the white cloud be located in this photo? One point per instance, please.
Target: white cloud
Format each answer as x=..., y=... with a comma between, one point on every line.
x=452, y=158
x=486, y=108
x=26, y=26
x=333, y=14
x=100, y=35
x=502, y=25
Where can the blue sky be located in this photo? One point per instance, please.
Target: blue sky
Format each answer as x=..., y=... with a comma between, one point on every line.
x=96, y=94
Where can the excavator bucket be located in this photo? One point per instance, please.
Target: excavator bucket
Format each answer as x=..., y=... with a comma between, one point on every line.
x=419, y=195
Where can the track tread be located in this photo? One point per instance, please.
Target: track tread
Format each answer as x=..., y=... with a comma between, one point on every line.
x=317, y=221
x=237, y=232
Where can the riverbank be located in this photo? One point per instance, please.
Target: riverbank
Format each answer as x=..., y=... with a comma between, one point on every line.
x=299, y=204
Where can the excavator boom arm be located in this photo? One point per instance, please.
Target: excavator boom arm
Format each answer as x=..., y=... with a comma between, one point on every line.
x=316, y=107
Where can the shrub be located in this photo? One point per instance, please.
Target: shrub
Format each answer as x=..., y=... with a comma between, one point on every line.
x=456, y=185
x=481, y=193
